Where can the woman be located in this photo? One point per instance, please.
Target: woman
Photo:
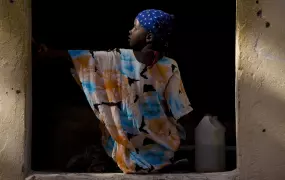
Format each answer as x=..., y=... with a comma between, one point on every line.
x=137, y=94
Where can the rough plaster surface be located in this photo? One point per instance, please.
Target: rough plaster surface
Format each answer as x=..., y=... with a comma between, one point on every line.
x=14, y=52
x=261, y=89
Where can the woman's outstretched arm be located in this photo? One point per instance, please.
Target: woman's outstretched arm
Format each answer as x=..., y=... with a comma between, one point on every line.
x=44, y=52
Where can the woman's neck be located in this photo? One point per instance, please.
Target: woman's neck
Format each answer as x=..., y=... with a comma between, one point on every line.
x=147, y=48
x=148, y=56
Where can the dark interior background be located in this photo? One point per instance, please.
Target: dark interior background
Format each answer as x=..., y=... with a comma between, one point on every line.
x=204, y=47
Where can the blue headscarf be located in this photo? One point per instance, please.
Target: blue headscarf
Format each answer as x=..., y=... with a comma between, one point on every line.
x=157, y=22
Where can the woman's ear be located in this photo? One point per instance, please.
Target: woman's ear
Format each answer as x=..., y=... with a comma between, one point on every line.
x=149, y=38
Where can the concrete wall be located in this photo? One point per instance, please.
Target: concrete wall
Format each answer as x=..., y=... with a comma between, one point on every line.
x=261, y=93
x=261, y=89
x=14, y=55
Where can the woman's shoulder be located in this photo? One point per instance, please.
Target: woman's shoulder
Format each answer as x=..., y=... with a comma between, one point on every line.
x=167, y=61
x=100, y=52
x=125, y=51
x=120, y=52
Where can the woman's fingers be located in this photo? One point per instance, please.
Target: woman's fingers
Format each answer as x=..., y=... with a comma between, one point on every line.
x=42, y=48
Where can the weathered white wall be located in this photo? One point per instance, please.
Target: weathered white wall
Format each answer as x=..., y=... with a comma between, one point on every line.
x=261, y=89
x=14, y=54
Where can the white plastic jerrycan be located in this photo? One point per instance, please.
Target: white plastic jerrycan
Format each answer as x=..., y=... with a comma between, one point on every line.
x=210, y=145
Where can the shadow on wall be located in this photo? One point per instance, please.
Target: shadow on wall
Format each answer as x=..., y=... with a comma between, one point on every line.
x=6, y=166
x=261, y=116
x=260, y=123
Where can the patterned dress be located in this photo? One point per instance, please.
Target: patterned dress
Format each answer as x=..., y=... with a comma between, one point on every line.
x=138, y=106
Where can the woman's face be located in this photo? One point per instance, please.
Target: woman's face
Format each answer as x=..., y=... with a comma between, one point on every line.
x=137, y=37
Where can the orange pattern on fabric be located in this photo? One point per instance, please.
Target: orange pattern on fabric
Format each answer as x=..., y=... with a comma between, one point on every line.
x=132, y=102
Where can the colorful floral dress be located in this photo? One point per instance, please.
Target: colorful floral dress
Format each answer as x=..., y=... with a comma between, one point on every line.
x=138, y=106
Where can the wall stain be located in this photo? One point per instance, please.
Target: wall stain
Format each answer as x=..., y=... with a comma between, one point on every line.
x=267, y=24
x=259, y=13
x=23, y=168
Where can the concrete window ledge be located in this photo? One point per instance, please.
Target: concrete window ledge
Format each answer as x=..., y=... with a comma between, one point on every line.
x=230, y=175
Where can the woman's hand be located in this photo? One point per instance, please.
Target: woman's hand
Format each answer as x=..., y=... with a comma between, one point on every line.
x=42, y=48
x=44, y=52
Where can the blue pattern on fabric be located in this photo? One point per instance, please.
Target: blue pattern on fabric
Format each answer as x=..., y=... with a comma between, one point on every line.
x=137, y=133
x=90, y=86
x=151, y=107
x=155, y=156
x=77, y=53
x=109, y=146
x=175, y=104
x=129, y=67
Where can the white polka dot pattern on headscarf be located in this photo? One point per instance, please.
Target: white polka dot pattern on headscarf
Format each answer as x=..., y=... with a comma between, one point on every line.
x=155, y=21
